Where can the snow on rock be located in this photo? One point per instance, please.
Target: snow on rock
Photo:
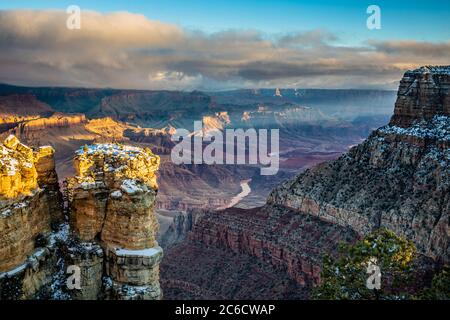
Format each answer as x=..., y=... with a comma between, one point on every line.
x=114, y=162
x=432, y=69
x=438, y=129
x=149, y=252
x=131, y=186
x=112, y=149
x=17, y=168
x=116, y=194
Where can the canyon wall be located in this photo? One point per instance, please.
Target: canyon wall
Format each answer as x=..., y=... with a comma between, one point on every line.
x=422, y=94
x=30, y=204
x=399, y=178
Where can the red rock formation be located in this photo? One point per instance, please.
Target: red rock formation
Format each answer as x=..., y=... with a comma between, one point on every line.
x=423, y=93
x=279, y=238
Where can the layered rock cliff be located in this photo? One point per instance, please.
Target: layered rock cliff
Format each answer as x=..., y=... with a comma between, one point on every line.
x=30, y=204
x=423, y=93
x=111, y=215
x=287, y=244
x=16, y=108
x=399, y=178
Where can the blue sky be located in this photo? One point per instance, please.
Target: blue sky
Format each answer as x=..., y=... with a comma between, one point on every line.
x=423, y=20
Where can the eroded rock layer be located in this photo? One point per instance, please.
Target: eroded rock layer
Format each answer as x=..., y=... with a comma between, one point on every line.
x=269, y=240
x=423, y=93
x=30, y=202
x=111, y=205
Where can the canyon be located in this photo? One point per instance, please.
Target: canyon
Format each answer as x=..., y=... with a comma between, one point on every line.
x=68, y=118
x=398, y=178
x=87, y=180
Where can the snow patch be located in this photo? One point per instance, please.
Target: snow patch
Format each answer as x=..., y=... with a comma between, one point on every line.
x=438, y=128
x=131, y=186
x=116, y=194
x=149, y=252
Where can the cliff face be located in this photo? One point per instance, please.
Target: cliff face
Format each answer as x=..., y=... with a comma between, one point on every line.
x=260, y=253
x=15, y=108
x=399, y=178
x=30, y=202
x=56, y=120
x=423, y=93
x=111, y=201
x=182, y=224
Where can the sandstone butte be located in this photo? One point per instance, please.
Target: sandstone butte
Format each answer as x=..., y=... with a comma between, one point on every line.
x=111, y=201
x=107, y=227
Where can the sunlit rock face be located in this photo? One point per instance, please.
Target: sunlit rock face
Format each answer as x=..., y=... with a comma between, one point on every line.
x=30, y=202
x=18, y=172
x=111, y=201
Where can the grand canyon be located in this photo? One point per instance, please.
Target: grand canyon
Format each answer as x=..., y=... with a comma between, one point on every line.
x=238, y=158
x=96, y=188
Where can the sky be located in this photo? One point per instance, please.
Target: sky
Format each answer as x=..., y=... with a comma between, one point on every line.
x=218, y=45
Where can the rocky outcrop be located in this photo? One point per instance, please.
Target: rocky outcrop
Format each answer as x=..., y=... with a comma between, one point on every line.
x=182, y=224
x=159, y=138
x=56, y=120
x=423, y=94
x=30, y=203
x=111, y=201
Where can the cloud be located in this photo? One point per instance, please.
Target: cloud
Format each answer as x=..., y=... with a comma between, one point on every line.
x=126, y=50
x=413, y=48
x=308, y=38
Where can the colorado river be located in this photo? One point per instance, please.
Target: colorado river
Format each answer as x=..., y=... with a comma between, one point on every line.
x=241, y=195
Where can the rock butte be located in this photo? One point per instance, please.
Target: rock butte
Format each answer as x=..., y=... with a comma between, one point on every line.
x=111, y=200
x=111, y=234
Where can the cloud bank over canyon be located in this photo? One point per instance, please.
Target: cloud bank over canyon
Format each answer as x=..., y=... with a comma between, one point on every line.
x=126, y=50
